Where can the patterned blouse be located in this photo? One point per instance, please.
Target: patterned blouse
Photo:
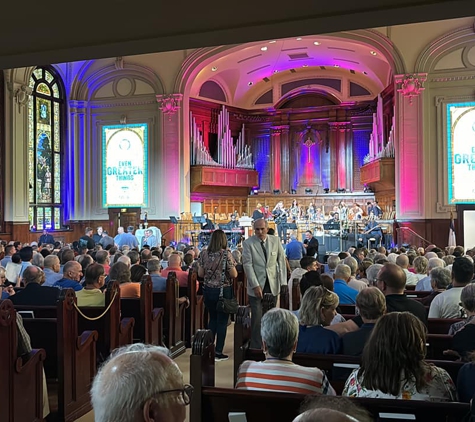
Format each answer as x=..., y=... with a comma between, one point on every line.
x=440, y=387
x=457, y=326
x=212, y=263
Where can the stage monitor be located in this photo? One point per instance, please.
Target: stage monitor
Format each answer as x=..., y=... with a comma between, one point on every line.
x=461, y=152
x=125, y=165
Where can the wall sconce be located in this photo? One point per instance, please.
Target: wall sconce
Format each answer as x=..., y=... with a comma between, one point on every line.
x=308, y=191
x=326, y=190
x=276, y=191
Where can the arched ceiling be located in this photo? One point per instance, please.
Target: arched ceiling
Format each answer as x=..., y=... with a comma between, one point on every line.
x=247, y=71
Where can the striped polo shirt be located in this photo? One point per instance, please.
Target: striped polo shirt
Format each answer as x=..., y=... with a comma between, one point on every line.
x=282, y=376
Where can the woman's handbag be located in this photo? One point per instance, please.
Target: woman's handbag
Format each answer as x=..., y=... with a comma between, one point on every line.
x=228, y=306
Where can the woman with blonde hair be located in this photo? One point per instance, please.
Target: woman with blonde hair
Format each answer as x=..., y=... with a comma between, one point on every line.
x=217, y=266
x=393, y=364
x=317, y=310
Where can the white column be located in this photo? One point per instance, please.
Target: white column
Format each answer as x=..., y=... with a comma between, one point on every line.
x=171, y=146
x=409, y=146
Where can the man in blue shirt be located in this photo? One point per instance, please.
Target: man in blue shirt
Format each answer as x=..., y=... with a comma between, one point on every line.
x=294, y=251
x=72, y=274
x=159, y=283
x=341, y=277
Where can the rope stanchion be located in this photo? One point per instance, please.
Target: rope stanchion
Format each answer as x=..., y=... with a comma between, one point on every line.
x=100, y=316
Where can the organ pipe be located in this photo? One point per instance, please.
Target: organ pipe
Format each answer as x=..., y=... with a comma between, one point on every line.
x=228, y=155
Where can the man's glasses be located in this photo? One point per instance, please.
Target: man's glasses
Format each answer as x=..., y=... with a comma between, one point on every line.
x=186, y=393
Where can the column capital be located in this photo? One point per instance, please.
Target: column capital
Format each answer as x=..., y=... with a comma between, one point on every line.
x=274, y=130
x=169, y=103
x=410, y=85
x=339, y=126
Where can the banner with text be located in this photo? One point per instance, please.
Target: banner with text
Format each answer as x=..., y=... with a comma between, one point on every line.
x=125, y=165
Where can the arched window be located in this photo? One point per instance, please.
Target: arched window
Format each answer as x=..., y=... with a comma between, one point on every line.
x=45, y=133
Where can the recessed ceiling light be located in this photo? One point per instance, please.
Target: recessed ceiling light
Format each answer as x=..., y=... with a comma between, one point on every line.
x=250, y=83
x=317, y=43
x=336, y=65
x=373, y=53
x=305, y=65
x=214, y=69
x=364, y=71
x=276, y=71
x=263, y=48
x=272, y=42
x=299, y=39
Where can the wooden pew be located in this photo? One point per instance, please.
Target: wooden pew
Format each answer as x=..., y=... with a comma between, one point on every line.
x=174, y=316
x=194, y=314
x=70, y=363
x=417, y=294
x=21, y=386
x=295, y=294
x=437, y=344
x=332, y=364
x=243, y=300
x=347, y=309
x=112, y=331
x=440, y=325
x=148, y=326
x=214, y=404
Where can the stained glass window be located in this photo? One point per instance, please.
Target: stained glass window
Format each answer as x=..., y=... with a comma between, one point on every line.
x=45, y=129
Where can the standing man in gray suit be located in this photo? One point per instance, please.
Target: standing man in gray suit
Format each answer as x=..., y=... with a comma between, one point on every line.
x=263, y=260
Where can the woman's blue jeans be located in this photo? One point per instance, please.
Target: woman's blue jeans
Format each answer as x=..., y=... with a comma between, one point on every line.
x=218, y=321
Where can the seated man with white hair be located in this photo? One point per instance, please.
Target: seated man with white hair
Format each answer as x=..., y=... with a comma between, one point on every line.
x=372, y=273
x=403, y=262
x=332, y=262
x=354, y=283
x=425, y=283
x=140, y=383
x=342, y=276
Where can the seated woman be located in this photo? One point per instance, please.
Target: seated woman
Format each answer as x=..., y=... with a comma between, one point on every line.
x=399, y=372
x=279, y=331
x=137, y=272
x=463, y=341
x=121, y=272
x=91, y=294
x=466, y=380
x=317, y=311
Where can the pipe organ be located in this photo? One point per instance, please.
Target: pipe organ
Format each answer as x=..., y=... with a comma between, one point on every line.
x=228, y=155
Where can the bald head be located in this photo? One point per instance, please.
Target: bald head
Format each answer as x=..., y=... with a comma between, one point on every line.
x=33, y=274
x=324, y=415
x=391, y=279
x=174, y=260
x=403, y=261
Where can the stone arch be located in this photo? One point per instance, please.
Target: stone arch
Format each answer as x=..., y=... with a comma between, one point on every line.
x=84, y=86
x=442, y=46
x=329, y=93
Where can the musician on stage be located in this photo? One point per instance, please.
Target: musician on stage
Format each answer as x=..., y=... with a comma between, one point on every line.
x=371, y=230
x=257, y=213
x=343, y=211
x=311, y=212
x=335, y=218
x=235, y=235
x=375, y=209
x=280, y=217
x=355, y=213
x=294, y=210
x=208, y=224
x=319, y=215
x=266, y=213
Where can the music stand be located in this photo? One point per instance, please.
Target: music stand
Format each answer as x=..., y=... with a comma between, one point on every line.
x=331, y=226
x=173, y=219
x=292, y=226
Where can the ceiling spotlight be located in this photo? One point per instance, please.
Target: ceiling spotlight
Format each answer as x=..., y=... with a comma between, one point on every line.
x=305, y=65
x=317, y=43
x=263, y=48
x=299, y=39
x=272, y=42
x=250, y=83
x=364, y=72
x=373, y=53
x=276, y=71
x=214, y=69
x=336, y=65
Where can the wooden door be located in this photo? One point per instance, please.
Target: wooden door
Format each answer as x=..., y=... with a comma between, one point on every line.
x=123, y=217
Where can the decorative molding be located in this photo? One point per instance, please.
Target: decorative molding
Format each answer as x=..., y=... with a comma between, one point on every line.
x=119, y=63
x=339, y=126
x=274, y=130
x=250, y=118
x=22, y=95
x=445, y=208
x=452, y=78
x=438, y=100
x=411, y=86
x=169, y=104
x=123, y=119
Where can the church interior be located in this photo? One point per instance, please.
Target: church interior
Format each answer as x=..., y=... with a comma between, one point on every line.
x=320, y=119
